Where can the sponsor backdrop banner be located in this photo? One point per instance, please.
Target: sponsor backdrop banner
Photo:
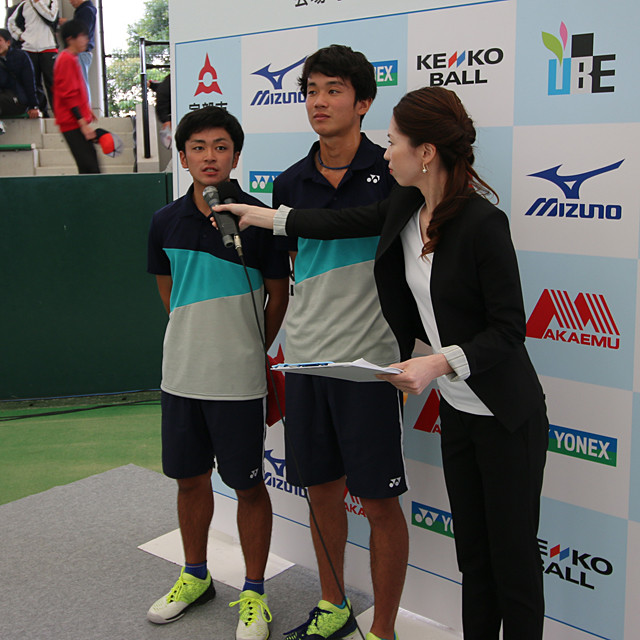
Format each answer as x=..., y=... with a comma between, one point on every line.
x=552, y=87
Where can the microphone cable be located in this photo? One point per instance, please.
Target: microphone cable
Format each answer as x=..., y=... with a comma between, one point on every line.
x=288, y=441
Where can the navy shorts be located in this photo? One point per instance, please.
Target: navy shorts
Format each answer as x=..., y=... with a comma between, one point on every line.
x=197, y=433
x=338, y=427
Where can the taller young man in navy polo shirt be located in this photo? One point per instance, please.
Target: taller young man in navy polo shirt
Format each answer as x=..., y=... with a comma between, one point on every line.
x=213, y=367
x=344, y=435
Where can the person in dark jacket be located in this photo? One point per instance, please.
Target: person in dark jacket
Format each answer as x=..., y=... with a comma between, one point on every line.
x=447, y=273
x=17, y=80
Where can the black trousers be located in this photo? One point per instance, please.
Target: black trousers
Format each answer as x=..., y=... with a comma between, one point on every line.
x=494, y=480
x=43, y=71
x=83, y=150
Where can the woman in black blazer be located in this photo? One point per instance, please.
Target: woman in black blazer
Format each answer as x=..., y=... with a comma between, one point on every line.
x=447, y=273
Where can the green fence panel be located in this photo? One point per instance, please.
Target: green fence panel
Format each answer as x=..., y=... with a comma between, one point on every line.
x=79, y=313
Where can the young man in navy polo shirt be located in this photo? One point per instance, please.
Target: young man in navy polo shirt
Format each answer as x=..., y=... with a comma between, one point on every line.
x=213, y=367
x=344, y=435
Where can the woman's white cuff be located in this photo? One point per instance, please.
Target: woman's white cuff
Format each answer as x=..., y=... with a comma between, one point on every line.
x=280, y=220
x=457, y=361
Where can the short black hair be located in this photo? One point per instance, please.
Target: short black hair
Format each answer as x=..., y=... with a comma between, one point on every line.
x=5, y=34
x=340, y=61
x=209, y=118
x=73, y=29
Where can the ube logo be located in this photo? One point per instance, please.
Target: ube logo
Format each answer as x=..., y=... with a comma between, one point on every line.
x=592, y=447
x=570, y=185
x=586, y=321
x=276, y=95
x=276, y=476
x=431, y=519
x=429, y=418
x=573, y=566
x=386, y=73
x=581, y=71
x=460, y=67
x=262, y=181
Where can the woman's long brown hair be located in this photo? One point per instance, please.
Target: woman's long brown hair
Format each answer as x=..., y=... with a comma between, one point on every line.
x=435, y=115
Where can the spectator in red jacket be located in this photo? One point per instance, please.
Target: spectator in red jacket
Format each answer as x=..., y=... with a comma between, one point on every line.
x=71, y=103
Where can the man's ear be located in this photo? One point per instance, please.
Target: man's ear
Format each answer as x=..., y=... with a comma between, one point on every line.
x=183, y=160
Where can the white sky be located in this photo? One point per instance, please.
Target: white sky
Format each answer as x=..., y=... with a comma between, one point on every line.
x=117, y=15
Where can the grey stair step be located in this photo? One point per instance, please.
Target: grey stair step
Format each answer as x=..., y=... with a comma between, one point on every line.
x=117, y=125
x=62, y=156
x=22, y=131
x=72, y=170
x=18, y=163
x=57, y=141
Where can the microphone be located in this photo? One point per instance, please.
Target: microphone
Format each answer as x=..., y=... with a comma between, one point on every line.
x=228, y=192
x=226, y=221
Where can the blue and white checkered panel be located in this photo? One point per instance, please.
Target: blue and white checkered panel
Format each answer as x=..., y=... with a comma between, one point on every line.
x=552, y=87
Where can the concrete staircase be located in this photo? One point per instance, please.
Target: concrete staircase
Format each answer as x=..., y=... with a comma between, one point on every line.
x=47, y=153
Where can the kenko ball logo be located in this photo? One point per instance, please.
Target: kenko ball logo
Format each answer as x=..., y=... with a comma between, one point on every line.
x=573, y=566
x=460, y=67
x=585, y=320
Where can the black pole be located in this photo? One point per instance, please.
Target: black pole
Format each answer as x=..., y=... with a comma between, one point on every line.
x=145, y=101
x=103, y=61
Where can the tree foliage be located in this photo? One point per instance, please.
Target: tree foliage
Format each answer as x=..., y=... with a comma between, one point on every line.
x=123, y=69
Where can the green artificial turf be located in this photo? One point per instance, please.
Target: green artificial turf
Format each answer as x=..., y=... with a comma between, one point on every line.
x=39, y=452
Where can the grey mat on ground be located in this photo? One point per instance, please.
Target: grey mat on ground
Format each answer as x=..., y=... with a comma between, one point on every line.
x=71, y=567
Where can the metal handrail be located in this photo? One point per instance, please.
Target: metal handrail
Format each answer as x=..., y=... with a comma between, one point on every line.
x=143, y=84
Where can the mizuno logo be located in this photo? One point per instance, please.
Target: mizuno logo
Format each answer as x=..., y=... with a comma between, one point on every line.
x=570, y=184
x=277, y=463
x=276, y=77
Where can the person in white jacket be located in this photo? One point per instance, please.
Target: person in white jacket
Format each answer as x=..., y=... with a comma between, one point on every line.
x=33, y=25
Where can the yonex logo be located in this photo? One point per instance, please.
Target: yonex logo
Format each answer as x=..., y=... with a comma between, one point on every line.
x=581, y=72
x=573, y=318
x=579, y=568
x=262, y=181
x=386, y=73
x=373, y=178
x=212, y=84
x=432, y=519
x=429, y=418
x=254, y=473
x=583, y=445
x=394, y=482
x=277, y=96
